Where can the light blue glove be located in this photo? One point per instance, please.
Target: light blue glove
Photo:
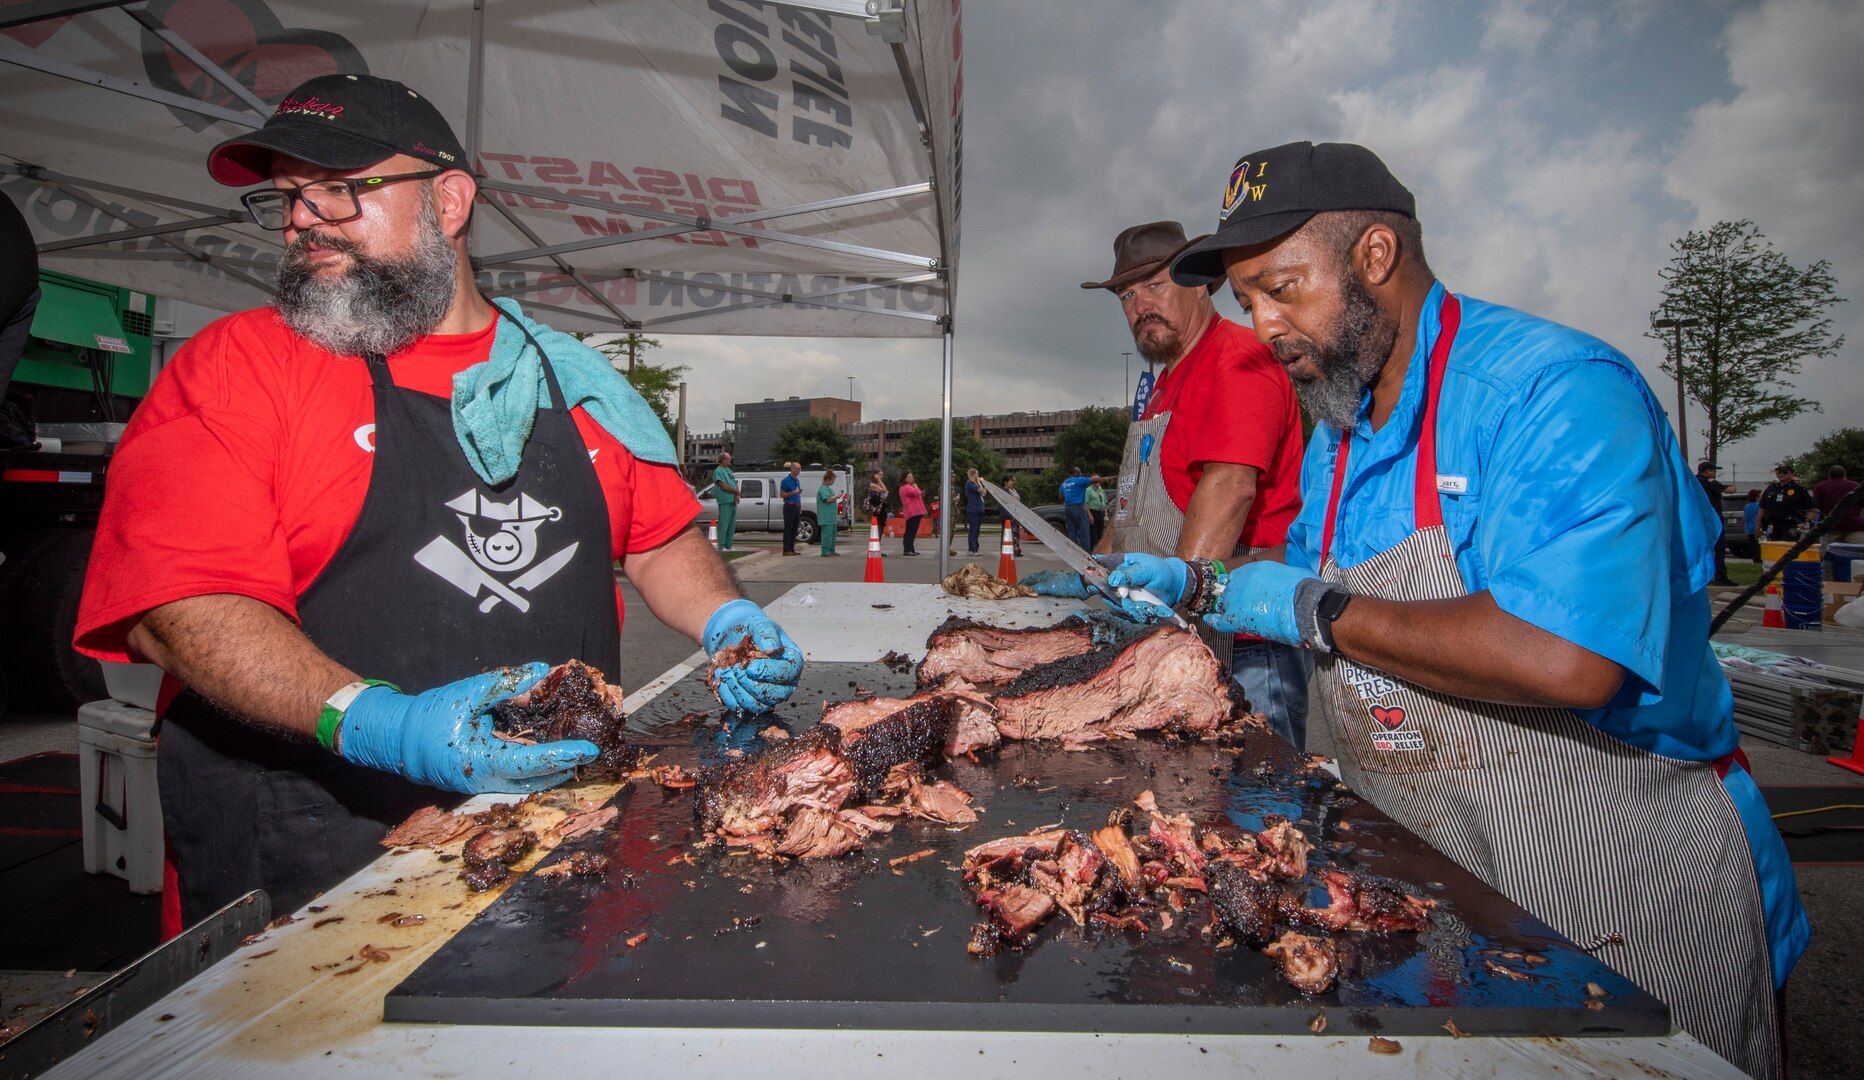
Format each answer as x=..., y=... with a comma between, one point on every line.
x=1259, y=599
x=1063, y=583
x=1162, y=577
x=757, y=685
x=443, y=738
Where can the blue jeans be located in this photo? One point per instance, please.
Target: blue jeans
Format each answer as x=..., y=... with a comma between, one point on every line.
x=975, y=520
x=1080, y=526
x=1274, y=679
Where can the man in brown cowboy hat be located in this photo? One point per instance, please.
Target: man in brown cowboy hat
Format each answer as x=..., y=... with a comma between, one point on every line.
x=1212, y=469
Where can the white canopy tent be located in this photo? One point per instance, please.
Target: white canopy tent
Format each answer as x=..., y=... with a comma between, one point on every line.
x=675, y=166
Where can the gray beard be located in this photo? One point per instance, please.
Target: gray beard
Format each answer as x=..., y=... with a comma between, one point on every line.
x=377, y=305
x=1167, y=348
x=1359, y=345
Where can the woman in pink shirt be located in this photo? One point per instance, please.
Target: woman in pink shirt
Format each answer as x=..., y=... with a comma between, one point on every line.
x=912, y=508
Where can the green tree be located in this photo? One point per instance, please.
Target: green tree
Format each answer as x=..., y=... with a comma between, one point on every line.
x=1842, y=447
x=815, y=440
x=1758, y=317
x=655, y=382
x=1095, y=441
x=919, y=455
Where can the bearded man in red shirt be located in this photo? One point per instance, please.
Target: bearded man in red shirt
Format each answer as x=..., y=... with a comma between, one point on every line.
x=1212, y=468
x=334, y=520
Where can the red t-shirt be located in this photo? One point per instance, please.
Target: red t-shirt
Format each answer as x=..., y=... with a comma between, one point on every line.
x=244, y=468
x=1231, y=401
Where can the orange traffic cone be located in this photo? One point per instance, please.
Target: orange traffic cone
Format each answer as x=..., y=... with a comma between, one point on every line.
x=875, y=571
x=1775, y=615
x=1856, y=761
x=711, y=533
x=1006, y=562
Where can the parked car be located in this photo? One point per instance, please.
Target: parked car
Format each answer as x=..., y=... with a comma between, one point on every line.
x=760, y=508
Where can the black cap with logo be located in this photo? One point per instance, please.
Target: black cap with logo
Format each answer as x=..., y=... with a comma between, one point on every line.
x=1271, y=193
x=340, y=122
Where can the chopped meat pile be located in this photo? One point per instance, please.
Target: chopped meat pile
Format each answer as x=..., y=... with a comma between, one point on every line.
x=489, y=855
x=1114, y=879
x=825, y=792
x=573, y=701
x=581, y=864
x=1310, y=964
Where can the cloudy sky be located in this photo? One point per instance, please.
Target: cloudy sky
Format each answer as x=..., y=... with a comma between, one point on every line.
x=1556, y=149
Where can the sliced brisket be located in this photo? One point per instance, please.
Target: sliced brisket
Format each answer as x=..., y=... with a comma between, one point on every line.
x=982, y=654
x=1165, y=680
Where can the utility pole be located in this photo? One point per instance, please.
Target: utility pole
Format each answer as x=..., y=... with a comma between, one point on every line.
x=679, y=427
x=1129, y=378
x=1676, y=328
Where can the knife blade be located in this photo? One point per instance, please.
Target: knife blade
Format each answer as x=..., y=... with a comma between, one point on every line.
x=1071, y=555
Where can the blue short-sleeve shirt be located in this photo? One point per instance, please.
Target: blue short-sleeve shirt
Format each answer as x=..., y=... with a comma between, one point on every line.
x=1074, y=490
x=1565, y=496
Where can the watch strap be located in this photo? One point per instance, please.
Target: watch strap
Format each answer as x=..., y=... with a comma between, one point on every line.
x=337, y=704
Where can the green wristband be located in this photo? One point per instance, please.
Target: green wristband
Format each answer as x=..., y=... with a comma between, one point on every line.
x=339, y=703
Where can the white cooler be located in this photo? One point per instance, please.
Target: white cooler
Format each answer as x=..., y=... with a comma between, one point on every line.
x=116, y=787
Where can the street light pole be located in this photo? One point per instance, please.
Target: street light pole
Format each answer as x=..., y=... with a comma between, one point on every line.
x=1676, y=328
x=1129, y=378
x=850, y=388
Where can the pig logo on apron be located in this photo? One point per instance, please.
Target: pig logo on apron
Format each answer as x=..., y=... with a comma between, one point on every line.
x=509, y=548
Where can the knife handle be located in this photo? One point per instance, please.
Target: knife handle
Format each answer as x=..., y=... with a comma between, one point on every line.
x=1145, y=596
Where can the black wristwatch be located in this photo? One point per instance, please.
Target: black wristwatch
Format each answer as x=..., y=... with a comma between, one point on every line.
x=1331, y=605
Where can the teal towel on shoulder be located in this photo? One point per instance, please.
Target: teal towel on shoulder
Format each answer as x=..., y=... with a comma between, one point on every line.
x=496, y=401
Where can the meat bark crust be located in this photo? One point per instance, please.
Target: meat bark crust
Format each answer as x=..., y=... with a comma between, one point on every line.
x=1165, y=680
x=981, y=653
x=875, y=739
x=571, y=701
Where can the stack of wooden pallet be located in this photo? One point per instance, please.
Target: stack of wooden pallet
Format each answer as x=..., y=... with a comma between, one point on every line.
x=1808, y=707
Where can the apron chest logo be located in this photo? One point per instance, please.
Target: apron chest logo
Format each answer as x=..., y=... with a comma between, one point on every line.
x=508, y=546
x=1390, y=733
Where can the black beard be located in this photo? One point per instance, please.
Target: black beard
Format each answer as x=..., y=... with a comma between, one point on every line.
x=377, y=306
x=1354, y=353
x=1167, y=348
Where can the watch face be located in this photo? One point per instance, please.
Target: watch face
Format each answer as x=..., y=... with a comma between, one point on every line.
x=1333, y=603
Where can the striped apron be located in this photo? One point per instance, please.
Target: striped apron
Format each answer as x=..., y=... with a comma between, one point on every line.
x=1636, y=857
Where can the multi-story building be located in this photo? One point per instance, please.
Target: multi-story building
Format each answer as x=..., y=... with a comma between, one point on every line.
x=759, y=422
x=1025, y=439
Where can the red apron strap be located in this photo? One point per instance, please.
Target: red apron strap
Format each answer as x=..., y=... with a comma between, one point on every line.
x=1428, y=511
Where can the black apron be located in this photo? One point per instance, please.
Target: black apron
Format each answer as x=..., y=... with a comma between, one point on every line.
x=441, y=577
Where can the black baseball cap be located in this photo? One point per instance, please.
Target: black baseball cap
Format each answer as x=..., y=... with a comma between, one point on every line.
x=1273, y=192
x=340, y=122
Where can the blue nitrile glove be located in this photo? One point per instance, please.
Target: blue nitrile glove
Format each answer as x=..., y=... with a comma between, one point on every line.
x=1162, y=577
x=1063, y=583
x=1259, y=599
x=758, y=685
x=443, y=738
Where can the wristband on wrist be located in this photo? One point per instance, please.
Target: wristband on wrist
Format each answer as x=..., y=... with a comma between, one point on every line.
x=1316, y=604
x=339, y=703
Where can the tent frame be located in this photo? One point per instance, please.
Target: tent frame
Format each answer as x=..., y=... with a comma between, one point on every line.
x=886, y=18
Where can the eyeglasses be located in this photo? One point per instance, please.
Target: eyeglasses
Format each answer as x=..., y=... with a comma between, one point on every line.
x=329, y=200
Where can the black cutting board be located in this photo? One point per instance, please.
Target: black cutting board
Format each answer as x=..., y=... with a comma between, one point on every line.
x=854, y=943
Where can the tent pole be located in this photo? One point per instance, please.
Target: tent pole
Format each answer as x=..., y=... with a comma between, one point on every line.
x=947, y=508
x=475, y=86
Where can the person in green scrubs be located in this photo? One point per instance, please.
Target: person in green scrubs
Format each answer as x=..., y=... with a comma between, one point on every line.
x=725, y=490
x=1096, y=512
x=825, y=515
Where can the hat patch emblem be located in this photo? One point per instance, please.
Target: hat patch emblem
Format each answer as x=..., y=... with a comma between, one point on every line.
x=309, y=106
x=1240, y=190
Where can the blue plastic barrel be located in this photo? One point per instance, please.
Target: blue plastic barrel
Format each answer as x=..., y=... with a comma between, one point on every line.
x=1802, y=595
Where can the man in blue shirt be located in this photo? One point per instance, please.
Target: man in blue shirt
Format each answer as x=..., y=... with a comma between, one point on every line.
x=1501, y=565
x=791, y=488
x=1074, y=508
